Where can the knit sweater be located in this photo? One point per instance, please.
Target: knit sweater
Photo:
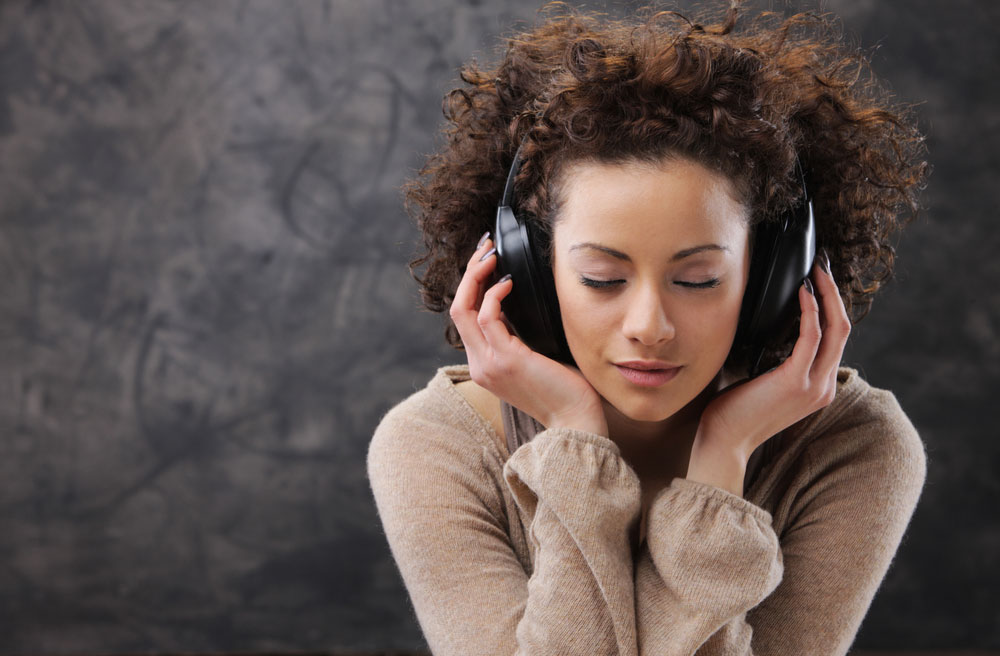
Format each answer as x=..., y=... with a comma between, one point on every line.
x=535, y=551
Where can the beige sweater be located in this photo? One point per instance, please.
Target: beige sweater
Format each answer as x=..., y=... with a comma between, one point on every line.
x=537, y=552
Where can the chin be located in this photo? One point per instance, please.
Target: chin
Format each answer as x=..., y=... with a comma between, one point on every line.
x=646, y=407
x=654, y=404
x=649, y=416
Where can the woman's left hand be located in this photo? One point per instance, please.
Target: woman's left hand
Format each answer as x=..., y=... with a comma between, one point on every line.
x=748, y=413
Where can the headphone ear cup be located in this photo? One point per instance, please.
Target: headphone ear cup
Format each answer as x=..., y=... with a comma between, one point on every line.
x=783, y=256
x=532, y=306
x=764, y=241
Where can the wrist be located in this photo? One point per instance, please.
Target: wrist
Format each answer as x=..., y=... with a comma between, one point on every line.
x=586, y=427
x=587, y=424
x=717, y=464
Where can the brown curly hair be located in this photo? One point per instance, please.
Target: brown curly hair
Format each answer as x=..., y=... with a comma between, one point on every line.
x=582, y=86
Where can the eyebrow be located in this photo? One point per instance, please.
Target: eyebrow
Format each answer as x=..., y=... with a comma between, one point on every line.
x=679, y=255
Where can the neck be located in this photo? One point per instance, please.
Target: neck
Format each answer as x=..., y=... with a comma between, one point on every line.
x=661, y=448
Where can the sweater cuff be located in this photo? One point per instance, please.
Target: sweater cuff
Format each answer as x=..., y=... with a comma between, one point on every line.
x=713, y=549
x=718, y=495
x=576, y=435
x=580, y=475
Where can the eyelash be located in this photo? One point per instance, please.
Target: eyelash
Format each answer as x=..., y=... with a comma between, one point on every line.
x=606, y=284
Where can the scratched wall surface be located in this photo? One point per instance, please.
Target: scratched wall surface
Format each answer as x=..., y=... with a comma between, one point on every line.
x=205, y=309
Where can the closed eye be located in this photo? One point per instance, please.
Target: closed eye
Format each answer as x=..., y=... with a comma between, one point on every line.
x=714, y=282
x=604, y=284
x=599, y=284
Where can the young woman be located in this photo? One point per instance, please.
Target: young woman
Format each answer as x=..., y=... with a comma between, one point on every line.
x=650, y=496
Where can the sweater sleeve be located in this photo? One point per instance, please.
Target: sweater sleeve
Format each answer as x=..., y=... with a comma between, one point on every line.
x=580, y=500
x=709, y=557
x=735, y=588
x=438, y=498
x=864, y=478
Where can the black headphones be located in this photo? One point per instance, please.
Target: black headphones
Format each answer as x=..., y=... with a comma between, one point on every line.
x=783, y=255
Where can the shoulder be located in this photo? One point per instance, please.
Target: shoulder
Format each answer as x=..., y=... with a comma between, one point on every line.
x=486, y=404
x=867, y=431
x=450, y=400
x=431, y=437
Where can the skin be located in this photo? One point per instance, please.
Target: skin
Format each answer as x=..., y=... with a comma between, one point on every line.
x=649, y=213
x=701, y=425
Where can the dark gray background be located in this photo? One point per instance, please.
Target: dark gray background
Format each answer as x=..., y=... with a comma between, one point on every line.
x=205, y=310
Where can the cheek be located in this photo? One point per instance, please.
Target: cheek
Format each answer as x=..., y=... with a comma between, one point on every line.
x=588, y=320
x=584, y=317
x=708, y=325
x=720, y=316
x=716, y=328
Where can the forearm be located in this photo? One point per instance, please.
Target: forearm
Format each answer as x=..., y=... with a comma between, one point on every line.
x=713, y=463
x=710, y=556
x=578, y=499
x=565, y=612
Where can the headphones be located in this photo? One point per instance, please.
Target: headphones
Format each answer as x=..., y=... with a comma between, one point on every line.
x=783, y=255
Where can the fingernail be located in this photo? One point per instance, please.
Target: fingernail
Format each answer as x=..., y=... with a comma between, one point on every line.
x=824, y=261
x=488, y=253
x=482, y=240
x=504, y=279
x=809, y=286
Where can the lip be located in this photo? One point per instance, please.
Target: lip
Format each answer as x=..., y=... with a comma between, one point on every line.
x=647, y=377
x=643, y=365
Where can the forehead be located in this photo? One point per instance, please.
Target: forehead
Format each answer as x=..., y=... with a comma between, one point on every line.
x=672, y=201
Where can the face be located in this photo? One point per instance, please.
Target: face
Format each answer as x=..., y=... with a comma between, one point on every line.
x=650, y=263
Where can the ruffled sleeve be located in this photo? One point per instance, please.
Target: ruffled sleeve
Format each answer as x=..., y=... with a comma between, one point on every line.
x=709, y=557
x=438, y=496
x=854, y=500
x=579, y=500
x=714, y=576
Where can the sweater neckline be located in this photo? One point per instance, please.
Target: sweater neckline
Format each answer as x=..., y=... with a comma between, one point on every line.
x=850, y=387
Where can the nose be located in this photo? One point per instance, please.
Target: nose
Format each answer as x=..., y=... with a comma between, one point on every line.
x=647, y=319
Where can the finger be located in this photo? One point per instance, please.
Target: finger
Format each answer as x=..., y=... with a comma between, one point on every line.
x=494, y=330
x=506, y=322
x=469, y=290
x=836, y=324
x=468, y=295
x=810, y=333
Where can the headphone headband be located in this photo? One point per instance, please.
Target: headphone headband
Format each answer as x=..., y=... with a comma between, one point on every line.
x=508, y=190
x=783, y=256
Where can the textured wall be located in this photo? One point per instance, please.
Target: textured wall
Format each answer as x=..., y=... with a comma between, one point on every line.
x=205, y=309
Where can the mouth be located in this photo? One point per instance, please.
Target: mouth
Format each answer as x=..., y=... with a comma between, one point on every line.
x=649, y=377
x=647, y=365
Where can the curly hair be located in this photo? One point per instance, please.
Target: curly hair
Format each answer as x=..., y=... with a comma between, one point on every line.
x=581, y=86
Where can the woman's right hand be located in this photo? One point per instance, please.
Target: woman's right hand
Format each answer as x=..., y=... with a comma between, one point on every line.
x=555, y=394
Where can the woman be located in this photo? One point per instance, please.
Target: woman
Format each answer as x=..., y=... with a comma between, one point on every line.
x=649, y=496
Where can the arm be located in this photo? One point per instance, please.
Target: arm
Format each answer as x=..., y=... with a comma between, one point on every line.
x=577, y=496
x=710, y=556
x=579, y=499
x=864, y=481
x=853, y=500
x=439, y=500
